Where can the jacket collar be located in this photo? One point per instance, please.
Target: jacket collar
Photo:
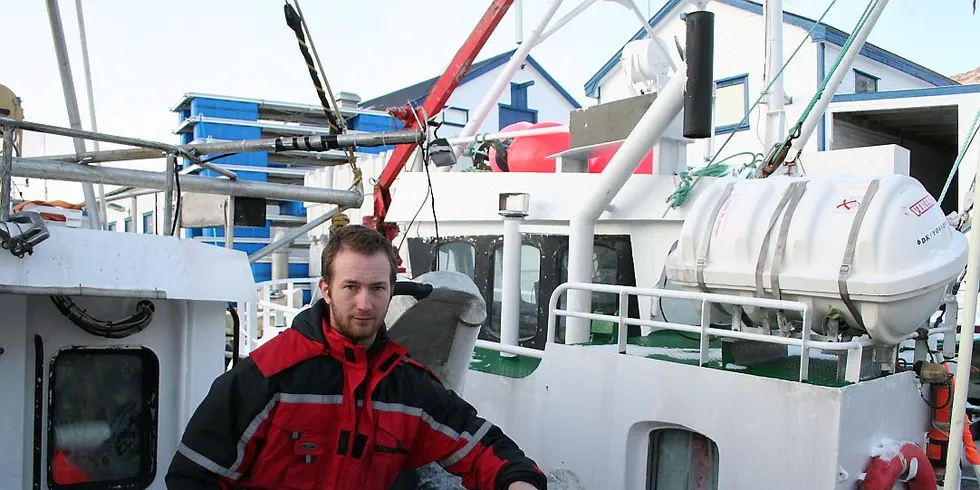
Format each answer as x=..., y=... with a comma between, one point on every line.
x=341, y=347
x=314, y=324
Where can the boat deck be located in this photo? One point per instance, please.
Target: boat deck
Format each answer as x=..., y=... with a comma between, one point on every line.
x=674, y=347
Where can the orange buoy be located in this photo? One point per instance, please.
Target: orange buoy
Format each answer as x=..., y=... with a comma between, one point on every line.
x=530, y=153
x=601, y=157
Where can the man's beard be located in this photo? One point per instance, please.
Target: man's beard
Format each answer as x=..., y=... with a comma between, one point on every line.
x=347, y=326
x=354, y=333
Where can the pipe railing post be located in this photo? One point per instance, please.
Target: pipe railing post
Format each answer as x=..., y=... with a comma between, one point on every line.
x=964, y=358
x=621, y=166
x=513, y=209
x=6, y=166
x=41, y=169
x=775, y=113
x=87, y=71
x=71, y=102
x=168, y=194
x=291, y=235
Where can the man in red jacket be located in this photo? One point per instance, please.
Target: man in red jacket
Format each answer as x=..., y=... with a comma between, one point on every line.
x=333, y=404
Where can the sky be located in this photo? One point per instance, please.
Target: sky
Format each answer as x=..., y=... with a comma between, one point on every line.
x=145, y=55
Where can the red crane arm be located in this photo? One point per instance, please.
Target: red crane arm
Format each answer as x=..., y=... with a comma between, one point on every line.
x=434, y=103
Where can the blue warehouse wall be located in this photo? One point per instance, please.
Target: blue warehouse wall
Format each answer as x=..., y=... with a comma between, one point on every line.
x=248, y=111
x=244, y=111
x=375, y=124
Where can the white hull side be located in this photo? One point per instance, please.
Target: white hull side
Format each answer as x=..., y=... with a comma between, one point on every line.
x=590, y=412
x=184, y=336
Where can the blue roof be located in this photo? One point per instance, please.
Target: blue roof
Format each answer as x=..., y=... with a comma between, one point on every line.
x=909, y=93
x=417, y=93
x=822, y=32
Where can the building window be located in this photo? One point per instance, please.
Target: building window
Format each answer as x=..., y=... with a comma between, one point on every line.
x=112, y=226
x=128, y=225
x=518, y=94
x=455, y=116
x=518, y=109
x=530, y=279
x=731, y=104
x=864, y=83
x=103, y=418
x=148, y=223
x=457, y=257
x=681, y=459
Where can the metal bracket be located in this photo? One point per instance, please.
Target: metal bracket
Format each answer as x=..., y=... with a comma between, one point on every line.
x=26, y=237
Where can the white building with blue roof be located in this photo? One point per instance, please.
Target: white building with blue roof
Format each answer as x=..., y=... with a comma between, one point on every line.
x=534, y=96
x=884, y=99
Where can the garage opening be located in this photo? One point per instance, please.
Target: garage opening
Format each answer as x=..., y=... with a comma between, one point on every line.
x=929, y=133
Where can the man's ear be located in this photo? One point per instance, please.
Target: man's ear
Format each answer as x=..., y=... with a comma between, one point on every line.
x=324, y=290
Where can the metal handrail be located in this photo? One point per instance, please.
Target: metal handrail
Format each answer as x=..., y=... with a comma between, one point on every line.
x=298, y=280
x=705, y=330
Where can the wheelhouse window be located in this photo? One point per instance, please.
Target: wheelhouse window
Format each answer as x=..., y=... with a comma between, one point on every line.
x=605, y=270
x=457, y=257
x=103, y=418
x=680, y=459
x=530, y=279
x=864, y=82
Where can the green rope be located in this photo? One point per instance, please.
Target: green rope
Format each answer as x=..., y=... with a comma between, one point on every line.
x=959, y=158
x=472, y=150
x=772, y=81
x=716, y=169
x=826, y=81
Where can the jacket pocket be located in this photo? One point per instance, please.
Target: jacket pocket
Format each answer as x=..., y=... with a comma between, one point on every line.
x=390, y=452
x=307, y=460
x=292, y=457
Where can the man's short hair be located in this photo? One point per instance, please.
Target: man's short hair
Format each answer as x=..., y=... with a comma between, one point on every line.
x=360, y=239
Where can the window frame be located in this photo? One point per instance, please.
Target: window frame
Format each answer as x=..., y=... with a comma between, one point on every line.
x=492, y=288
x=742, y=80
x=858, y=74
x=461, y=111
x=451, y=253
x=149, y=219
x=149, y=418
x=652, y=454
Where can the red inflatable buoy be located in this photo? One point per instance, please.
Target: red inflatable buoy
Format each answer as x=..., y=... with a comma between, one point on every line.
x=600, y=158
x=530, y=153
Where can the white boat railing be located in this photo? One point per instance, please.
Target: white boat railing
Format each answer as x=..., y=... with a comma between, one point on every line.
x=272, y=313
x=705, y=331
x=276, y=316
x=852, y=349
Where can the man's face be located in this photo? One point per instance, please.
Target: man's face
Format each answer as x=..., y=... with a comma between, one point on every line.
x=358, y=294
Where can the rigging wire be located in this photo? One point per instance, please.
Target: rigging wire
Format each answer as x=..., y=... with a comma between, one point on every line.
x=959, y=158
x=296, y=22
x=770, y=166
x=714, y=168
x=178, y=201
x=765, y=91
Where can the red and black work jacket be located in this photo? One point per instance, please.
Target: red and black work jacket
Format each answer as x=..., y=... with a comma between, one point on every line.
x=310, y=410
